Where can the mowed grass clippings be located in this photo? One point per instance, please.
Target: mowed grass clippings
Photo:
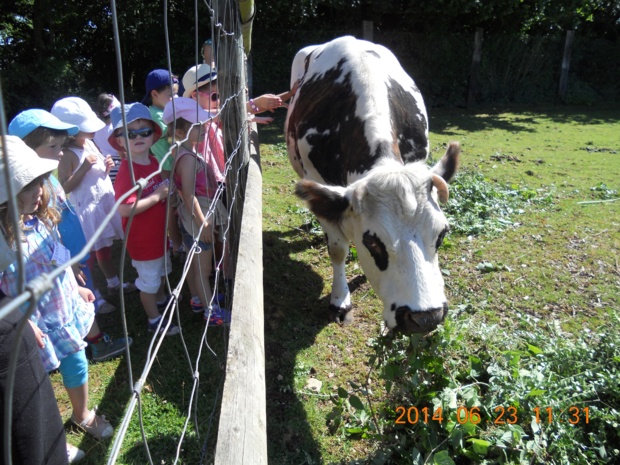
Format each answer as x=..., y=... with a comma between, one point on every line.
x=556, y=260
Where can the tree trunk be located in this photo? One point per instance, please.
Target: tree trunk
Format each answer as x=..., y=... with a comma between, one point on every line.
x=568, y=47
x=475, y=68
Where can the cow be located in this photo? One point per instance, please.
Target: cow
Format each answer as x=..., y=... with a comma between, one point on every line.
x=357, y=134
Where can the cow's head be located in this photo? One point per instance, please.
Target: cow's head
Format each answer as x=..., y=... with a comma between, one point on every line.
x=393, y=217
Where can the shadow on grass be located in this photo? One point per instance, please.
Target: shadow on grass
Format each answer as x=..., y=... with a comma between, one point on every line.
x=165, y=398
x=294, y=315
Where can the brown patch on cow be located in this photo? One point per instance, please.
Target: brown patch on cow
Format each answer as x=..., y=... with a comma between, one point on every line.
x=322, y=201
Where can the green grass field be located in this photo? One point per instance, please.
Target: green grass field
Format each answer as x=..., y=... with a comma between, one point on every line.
x=557, y=264
x=536, y=274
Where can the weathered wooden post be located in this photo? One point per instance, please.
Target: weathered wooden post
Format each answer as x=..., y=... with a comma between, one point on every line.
x=475, y=68
x=367, y=30
x=242, y=431
x=568, y=47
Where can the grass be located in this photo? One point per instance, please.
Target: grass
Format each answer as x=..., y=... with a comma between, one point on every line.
x=552, y=260
x=165, y=400
x=544, y=276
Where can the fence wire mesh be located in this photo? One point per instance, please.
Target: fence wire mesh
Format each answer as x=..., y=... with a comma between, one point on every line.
x=224, y=28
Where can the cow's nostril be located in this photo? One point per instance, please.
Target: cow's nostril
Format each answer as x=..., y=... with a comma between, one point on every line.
x=409, y=321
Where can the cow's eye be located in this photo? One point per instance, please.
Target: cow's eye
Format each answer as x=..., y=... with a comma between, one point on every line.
x=377, y=250
x=441, y=237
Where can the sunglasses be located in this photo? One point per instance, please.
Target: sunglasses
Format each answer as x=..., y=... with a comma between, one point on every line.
x=214, y=96
x=132, y=134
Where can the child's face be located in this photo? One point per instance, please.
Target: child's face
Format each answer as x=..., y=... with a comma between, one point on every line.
x=208, y=97
x=161, y=98
x=140, y=134
x=194, y=137
x=29, y=197
x=81, y=136
x=51, y=150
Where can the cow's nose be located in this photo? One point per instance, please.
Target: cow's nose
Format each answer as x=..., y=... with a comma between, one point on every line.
x=409, y=321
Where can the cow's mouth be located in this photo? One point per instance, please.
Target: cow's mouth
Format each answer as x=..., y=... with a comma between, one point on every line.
x=409, y=321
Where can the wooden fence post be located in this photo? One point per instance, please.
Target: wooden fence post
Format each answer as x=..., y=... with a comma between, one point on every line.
x=367, y=30
x=475, y=68
x=242, y=432
x=568, y=47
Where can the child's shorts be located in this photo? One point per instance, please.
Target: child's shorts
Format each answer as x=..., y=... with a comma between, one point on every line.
x=188, y=240
x=150, y=273
x=218, y=217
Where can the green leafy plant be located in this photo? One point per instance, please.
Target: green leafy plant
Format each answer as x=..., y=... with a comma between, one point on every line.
x=467, y=394
x=602, y=192
x=478, y=205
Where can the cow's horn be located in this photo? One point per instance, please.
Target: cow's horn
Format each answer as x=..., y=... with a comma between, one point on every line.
x=442, y=188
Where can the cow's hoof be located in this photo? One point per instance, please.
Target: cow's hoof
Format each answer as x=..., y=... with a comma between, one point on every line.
x=341, y=315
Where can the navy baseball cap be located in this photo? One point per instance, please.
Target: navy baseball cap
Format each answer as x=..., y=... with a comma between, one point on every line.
x=154, y=80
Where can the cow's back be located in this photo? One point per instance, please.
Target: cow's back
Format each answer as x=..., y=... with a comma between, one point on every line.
x=355, y=106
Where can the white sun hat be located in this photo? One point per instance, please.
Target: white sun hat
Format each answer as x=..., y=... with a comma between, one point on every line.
x=24, y=165
x=74, y=110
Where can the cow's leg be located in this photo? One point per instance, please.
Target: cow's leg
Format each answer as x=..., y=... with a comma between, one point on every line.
x=338, y=248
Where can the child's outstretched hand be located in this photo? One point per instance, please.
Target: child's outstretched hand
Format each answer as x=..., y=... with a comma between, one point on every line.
x=109, y=163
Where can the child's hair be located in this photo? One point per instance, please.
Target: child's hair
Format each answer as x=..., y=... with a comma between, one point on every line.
x=46, y=212
x=41, y=136
x=148, y=101
x=181, y=124
x=102, y=106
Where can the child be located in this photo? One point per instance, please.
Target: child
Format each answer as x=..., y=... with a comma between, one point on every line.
x=63, y=315
x=212, y=149
x=146, y=240
x=103, y=107
x=83, y=172
x=202, y=215
x=158, y=93
x=46, y=134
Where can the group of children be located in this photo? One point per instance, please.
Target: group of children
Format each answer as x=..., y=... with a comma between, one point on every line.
x=91, y=153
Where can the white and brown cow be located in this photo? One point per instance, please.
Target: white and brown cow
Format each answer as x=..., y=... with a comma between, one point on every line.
x=357, y=133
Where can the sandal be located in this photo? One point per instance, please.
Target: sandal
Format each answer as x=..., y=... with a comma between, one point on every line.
x=95, y=425
x=74, y=454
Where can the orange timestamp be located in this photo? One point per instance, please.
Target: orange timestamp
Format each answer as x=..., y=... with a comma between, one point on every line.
x=502, y=415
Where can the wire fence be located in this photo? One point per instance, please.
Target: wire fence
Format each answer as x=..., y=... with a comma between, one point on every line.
x=226, y=30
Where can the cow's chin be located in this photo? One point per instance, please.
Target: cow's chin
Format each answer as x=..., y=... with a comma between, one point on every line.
x=409, y=321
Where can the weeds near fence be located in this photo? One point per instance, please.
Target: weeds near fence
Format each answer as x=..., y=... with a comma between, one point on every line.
x=467, y=393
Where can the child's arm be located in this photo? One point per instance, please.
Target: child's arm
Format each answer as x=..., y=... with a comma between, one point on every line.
x=142, y=205
x=186, y=166
x=69, y=161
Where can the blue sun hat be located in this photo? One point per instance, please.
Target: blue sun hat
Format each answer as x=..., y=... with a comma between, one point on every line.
x=133, y=112
x=29, y=120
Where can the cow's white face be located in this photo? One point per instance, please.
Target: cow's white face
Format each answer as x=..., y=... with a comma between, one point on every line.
x=397, y=225
x=393, y=217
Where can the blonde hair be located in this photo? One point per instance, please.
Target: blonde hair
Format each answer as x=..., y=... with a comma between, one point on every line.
x=47, y=212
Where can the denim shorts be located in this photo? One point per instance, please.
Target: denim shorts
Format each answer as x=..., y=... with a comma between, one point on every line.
x=188, y=240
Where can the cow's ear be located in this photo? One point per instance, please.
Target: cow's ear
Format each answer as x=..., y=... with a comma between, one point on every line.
x=326, y=202
x=449, y=163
